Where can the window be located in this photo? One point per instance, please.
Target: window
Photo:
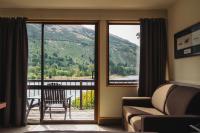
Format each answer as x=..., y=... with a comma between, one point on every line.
x=123, y=53
x=69, y=51
x=62, y=64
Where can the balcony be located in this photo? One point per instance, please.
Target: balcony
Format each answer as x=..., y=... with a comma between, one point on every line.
x=82, y=99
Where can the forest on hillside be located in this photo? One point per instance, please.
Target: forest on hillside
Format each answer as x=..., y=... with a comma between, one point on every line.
x=70, y=52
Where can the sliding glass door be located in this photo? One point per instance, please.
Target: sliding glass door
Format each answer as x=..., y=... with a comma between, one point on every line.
x=62, y=72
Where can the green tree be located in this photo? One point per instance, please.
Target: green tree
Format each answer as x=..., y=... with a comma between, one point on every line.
x=87, y=100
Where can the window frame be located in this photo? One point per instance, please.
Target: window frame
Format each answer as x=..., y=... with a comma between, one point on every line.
x=117, y=22
x=97, y=64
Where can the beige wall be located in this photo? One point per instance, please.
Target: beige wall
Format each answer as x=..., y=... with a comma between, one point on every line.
x=182, y=14
x=110, y=97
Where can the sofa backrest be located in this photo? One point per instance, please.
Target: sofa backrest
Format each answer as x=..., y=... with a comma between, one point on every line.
x=183, y=100
x=160, y=95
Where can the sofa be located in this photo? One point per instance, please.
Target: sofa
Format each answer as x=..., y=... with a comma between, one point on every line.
x=172, y=108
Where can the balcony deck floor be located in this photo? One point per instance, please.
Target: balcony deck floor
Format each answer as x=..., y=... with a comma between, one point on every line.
x=58, y=114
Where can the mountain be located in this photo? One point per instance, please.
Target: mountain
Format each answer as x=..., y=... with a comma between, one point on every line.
x=70, y=48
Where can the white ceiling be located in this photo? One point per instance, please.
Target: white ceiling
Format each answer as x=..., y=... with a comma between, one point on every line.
x=87, y=4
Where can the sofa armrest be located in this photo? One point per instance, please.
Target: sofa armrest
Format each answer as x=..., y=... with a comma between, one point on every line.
x=166, y=124
x=136, y=101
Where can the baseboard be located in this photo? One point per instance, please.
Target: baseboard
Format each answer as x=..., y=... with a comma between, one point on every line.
x=110, y=121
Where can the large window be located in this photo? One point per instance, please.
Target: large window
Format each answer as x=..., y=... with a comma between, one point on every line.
x=62, y=71
x=123, y=57
x=69, y=51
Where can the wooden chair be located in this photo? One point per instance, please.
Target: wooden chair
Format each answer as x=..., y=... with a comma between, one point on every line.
x=56, y=98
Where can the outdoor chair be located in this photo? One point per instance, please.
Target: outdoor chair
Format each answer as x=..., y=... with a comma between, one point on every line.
x=56, y=98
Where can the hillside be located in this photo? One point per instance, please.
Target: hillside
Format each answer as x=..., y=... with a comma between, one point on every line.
x=69, y=51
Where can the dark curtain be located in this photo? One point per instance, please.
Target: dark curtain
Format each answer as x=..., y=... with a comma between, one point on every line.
x=13, y=70
x=153, y=55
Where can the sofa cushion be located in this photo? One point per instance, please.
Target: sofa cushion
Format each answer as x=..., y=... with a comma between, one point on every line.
x=130, y=111
x=160, y=95
x=183, y=100
x=135, y=122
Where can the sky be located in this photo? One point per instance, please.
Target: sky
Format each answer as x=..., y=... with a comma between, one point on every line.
x=127, y=32
x=90, y=26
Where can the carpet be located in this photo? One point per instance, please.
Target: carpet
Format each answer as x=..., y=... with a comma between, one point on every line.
x=72, y=132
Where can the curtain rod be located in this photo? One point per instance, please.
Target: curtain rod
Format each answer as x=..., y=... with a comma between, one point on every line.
x=79, y=21
x=59, y=21
x=123, y=21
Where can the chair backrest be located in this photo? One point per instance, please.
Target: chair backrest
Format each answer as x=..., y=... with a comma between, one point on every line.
x=183, y=100
x=160, y=95
x=54, y=95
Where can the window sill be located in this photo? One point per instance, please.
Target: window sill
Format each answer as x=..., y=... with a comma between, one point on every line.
x=123, y=85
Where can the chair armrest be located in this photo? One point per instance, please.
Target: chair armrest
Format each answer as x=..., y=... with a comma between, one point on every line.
x=167, y=123
x=67, y=101
x=137, y=101
x=68, y=98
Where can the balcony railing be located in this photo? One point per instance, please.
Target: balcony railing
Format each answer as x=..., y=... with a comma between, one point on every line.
x=82, y=91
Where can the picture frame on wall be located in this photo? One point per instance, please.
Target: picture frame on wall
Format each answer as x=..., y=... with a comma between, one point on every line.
x=187, y=42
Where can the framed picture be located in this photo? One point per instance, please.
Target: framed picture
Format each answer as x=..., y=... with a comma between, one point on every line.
x=187, y=42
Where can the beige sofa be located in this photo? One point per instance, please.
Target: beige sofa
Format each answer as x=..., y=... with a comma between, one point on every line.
x=172, y=108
